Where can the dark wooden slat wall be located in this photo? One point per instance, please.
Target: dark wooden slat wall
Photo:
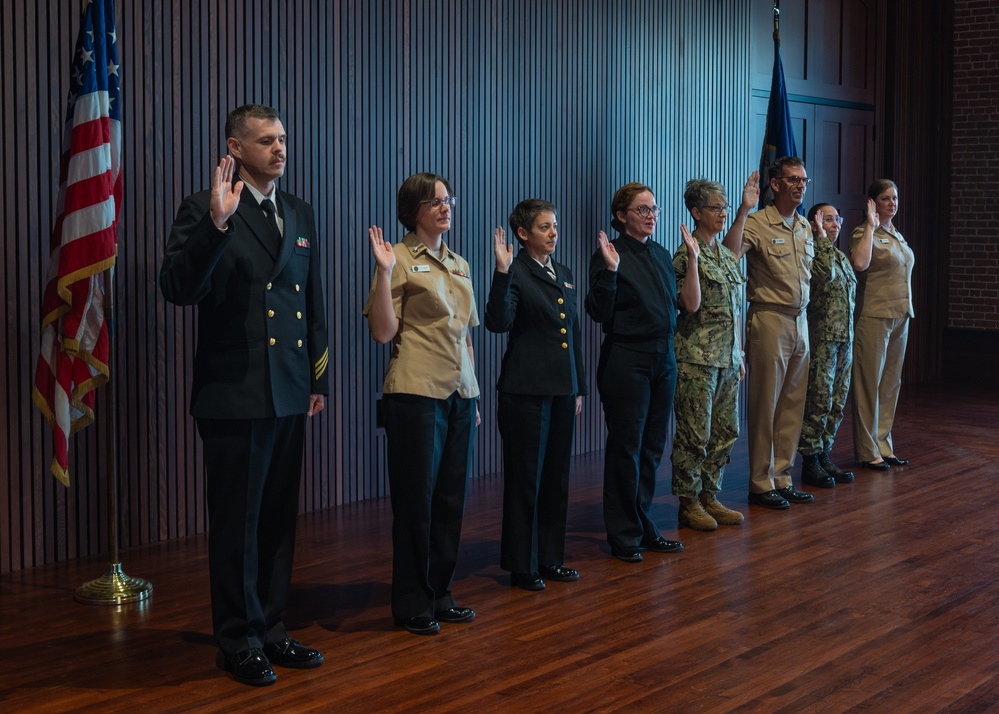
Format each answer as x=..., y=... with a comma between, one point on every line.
x=561, y=99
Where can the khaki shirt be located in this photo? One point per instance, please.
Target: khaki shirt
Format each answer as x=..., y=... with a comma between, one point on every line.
x=778, y=260
x=834, y=291
x=434, y=302
x=710, y=336
x=885, y=288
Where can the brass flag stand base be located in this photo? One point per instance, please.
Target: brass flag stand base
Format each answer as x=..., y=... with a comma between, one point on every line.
x=113, y=588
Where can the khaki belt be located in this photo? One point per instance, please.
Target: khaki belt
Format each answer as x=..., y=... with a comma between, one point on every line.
x=782, y=309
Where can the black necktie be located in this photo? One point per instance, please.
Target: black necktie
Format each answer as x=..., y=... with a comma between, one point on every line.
x=268, y=207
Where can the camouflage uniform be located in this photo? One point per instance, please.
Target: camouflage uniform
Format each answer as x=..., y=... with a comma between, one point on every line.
x=830, y=332
x=708, y=360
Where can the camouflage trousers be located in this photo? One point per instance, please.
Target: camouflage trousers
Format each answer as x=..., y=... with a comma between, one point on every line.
x=707, y=426
x=828, y=385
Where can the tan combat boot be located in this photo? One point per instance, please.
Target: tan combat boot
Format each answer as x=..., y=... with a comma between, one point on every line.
x=724, y=516
x=692, y=515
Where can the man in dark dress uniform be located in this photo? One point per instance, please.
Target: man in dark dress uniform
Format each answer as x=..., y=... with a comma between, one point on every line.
x=247, y=255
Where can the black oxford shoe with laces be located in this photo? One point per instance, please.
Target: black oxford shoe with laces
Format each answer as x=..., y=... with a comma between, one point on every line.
x=248, y=667
x=289, y=653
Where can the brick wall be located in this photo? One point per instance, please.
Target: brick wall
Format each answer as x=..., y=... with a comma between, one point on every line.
x=974, y=258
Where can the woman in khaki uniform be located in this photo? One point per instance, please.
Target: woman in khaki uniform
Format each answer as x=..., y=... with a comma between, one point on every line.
x=883, y=261
x=421, y=301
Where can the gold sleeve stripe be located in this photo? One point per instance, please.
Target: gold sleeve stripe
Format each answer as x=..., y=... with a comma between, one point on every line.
x=322, y=363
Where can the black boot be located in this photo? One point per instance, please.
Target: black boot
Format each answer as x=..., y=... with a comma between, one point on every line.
x=833, y=470
x=813, y=474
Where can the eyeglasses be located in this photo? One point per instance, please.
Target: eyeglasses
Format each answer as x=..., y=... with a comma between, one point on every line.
x=436, y=203
x=646, y=211
x=717, y=209
x=832, y=219
x=796, y=180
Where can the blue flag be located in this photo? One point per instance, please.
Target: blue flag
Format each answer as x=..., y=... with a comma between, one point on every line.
x=778, y=140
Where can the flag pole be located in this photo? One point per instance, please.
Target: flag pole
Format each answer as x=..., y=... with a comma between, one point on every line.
x=777, y=20
x=114, y=587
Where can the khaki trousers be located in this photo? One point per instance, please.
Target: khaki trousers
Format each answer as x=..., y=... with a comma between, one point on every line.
x=777, y=363
x=878, y=353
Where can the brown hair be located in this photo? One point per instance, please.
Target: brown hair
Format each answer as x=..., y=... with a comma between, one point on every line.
x=414, y=191
x=778, y=166
x=236, y=121
x=879, y=187
x=622, y=199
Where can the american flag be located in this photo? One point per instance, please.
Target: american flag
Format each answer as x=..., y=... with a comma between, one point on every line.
x=73, y=360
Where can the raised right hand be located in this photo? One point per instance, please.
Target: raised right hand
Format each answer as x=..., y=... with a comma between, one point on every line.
x=611, y=259
x=382, y=249
x=504, y=252
x=872, y=213
x=820, y=229
x=751, y=191
x=225, y=196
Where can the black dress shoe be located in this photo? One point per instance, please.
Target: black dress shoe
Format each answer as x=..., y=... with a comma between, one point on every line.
x=769, y=499
x=844, y=477
x=628, y=555
x=559, y=573
x=793, y=495
x=455, y=614
x=895, y=461
x=420, y=625
x=289, y=653
x=527, y=581
x=249, y=667
x=661, y=545
x=877, y=465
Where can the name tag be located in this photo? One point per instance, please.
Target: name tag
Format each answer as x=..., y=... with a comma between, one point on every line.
x=421, y=268
x=884, y=240
x=777, y=241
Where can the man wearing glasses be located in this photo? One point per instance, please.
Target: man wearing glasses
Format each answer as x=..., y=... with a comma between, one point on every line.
x=777, y=243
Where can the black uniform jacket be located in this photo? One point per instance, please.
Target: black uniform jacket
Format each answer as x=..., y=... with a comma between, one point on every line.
x=636, y=304
x=262, y=340
x=545, y=353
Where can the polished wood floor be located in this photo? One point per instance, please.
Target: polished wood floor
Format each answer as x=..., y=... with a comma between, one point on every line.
x=881, y=596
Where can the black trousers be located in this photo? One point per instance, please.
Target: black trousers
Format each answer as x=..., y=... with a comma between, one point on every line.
x=254, y=472
x=429, y=459
x=537, y=448
x=636, y=389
